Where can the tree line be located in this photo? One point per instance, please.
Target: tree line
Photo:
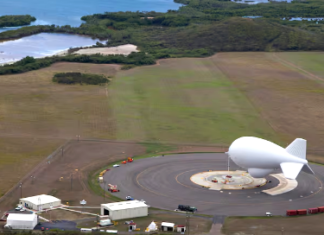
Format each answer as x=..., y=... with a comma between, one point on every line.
x=16, y=20
x=29, y=63
x=198, y=29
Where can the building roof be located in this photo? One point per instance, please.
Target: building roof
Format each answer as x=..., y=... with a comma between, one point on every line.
x=115, y=206
x=21, y=217
x=166, y=224
x=41, y=199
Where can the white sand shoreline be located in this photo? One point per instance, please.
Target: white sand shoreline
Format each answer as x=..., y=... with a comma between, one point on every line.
x=119, y=50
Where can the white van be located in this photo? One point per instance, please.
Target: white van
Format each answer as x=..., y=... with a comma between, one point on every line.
x=105, y=222
x=85, y=230
x=112, y=231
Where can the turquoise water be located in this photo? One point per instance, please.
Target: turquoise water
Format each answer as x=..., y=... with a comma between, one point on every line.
x=63, y=12
x=69, y=12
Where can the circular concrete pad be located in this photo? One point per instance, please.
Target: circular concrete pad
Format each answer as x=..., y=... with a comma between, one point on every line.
x=164, y=182
x=227, y=180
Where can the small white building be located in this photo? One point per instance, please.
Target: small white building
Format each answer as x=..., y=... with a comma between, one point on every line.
x=167, y=227
x=40, y=202
x=125, y=210
x=21, y=221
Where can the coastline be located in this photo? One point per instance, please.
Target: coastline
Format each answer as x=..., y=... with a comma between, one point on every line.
x=88, y=50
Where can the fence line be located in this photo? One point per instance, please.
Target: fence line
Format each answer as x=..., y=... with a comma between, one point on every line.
x=36, y=168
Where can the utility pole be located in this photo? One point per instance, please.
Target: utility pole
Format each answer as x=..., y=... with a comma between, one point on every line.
x=71, y=180
x=104, y=189
x=62, y=151
x=188, y=223
x=228, y=163
x=20, y=190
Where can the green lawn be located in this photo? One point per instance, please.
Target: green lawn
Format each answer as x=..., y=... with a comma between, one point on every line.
x=183, y=100
x=310, y=61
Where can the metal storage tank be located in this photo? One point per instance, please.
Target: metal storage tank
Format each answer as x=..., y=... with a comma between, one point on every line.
x=125, y=209
x=21, y=221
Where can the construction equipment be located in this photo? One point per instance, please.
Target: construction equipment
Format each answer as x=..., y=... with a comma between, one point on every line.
x=102, y=173
x=130, y=159
x=113, y=188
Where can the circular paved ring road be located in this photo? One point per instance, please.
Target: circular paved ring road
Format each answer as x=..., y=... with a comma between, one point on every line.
x=164, y=182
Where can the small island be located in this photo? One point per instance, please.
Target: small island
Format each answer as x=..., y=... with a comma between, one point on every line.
x=16, y=20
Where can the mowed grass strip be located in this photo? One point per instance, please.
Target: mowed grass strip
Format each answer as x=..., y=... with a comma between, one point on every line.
x=183, y=100
x=310, y=61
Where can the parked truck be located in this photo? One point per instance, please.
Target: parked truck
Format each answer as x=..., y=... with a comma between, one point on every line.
x=187, y=208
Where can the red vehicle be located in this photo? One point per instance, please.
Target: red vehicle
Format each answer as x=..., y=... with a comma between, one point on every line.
x=124, y=162
x=291, y=212
x=313, y=210
x=215, y=181
x=113, y=188
x=321, y=209
x=302, y=212
x=130, y=159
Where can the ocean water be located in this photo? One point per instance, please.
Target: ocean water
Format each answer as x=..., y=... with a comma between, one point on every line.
x=69, y=12
x=41, y=45
x=63, y=12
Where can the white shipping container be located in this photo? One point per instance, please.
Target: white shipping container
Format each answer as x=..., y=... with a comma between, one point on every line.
x=21, y=221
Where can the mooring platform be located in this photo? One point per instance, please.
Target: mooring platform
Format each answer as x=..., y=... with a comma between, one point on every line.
x=227, y=180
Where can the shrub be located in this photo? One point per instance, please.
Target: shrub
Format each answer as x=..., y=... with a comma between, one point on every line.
x=73, y=78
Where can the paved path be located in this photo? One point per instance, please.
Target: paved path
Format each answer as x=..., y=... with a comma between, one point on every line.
x=164, y=182
x=285, y=185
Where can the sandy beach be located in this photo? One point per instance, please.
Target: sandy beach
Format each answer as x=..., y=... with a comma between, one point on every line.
x=119, y=50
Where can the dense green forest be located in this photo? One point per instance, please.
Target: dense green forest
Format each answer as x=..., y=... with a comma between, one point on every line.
x=199, y=28
x=81, y=78
x=16, y=20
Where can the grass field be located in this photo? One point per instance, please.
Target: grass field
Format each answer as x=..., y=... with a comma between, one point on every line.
x=277, y=96
x=289, y=99
x=309, y=61
x=37, y=116
x=183, y=100
x=18, y=156
x=274, y=226
x=30, y=104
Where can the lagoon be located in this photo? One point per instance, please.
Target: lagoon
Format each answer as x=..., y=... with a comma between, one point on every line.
x=41, y=45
